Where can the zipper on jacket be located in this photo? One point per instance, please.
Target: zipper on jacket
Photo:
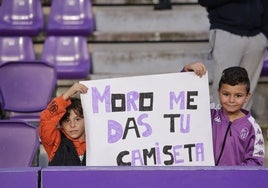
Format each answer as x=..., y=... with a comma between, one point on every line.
x=224, y=141
x=81, y=160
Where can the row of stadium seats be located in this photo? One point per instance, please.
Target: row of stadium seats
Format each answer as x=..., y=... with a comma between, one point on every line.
x=27, y=83
x=26, y=18
x=68, y=54
x=64, y=47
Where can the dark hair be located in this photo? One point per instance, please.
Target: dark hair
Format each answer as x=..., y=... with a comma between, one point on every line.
x=76, y=106
x=234, y=76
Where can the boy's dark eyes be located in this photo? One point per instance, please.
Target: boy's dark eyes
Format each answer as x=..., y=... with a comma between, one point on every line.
x=238, y=95
x=76, y=119
x=67, y=120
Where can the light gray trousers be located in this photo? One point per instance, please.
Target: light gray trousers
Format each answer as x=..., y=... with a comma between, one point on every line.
x=233, y=50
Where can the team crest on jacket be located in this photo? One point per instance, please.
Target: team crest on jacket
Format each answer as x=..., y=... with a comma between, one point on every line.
x=217, y=119
x=244, y=133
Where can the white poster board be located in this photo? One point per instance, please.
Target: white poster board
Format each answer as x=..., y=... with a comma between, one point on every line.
x=155, y=120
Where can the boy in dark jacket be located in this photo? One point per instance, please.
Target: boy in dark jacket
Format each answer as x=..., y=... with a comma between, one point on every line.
x=62, y=129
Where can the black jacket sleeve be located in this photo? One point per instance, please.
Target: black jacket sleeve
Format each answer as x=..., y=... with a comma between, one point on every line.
x=215, y=3
x=265, y=18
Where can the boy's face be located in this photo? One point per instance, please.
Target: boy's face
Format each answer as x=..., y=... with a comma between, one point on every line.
x=74, y=126
x=232, y=98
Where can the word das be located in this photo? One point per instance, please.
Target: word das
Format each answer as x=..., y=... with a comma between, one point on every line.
x=141, y=127
x=155, y=156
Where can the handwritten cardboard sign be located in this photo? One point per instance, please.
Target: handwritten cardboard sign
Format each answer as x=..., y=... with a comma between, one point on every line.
x=155, y=120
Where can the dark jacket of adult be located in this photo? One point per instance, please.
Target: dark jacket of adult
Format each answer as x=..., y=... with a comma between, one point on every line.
x=241, y=17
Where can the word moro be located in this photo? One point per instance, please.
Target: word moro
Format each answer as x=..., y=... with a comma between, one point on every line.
x=169, y=155
x=135, y=101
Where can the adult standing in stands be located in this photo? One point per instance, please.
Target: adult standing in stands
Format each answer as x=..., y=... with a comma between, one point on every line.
x=238, y=35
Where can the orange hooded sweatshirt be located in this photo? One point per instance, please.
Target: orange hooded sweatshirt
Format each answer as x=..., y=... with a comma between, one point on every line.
x=49, y=129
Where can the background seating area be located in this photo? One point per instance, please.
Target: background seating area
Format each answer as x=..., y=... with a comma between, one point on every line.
x=19, y=143
x=116, y=38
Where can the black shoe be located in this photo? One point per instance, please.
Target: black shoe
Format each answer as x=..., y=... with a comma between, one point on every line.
x=163, y=5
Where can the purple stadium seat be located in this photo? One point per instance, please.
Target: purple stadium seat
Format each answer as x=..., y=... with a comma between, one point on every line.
x=69, y=54
x=264, y=71
x=31, y=117
x=21, y=18
x=18, y=143
x=26, y=87
x=70, y=17
x=16, y=49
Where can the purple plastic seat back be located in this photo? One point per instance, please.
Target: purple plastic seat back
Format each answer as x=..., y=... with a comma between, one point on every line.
x=18, y=143
x=21, y=18
x=26, y=86
x=16, y=49
x=70, y=17
x=69, y=54
x=31, y=117
x=264, y=71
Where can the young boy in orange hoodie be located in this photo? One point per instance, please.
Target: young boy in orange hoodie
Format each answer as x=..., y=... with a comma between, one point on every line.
x=62, y=129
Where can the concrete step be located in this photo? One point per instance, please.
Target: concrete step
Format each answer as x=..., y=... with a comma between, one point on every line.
x=144, y=24
x=182, y=18
x=128, y=59
x=135, y=23
x=145, y=58
x=111, y=60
